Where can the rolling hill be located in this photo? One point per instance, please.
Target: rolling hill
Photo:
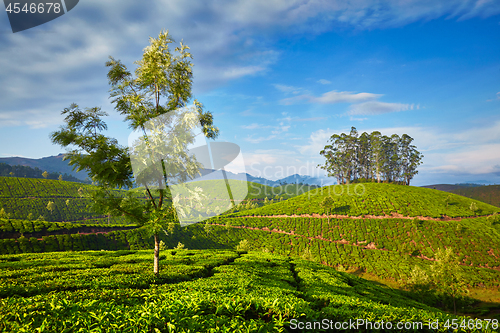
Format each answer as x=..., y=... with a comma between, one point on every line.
x=377, y=231
x=379, y=200
x=21, y=197
x=489, y=193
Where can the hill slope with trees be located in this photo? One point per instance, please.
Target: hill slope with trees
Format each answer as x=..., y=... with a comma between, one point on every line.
x=378, y=200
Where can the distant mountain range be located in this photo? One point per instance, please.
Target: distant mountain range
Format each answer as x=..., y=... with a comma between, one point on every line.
x=293, y=179
x=49, y=164
x=56, y=164
x=450, y=187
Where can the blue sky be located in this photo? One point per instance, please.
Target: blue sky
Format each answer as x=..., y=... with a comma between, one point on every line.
x=279, y=76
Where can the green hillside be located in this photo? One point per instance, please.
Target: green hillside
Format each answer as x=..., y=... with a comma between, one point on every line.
x=383, y=232
x=489, y=194
x=20, y=197
x=198, y=291
x=387, y=248
x=378, y=199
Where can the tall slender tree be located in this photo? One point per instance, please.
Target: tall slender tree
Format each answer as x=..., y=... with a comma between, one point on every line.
x=161, y=84
x=363, y=156
x=412, y=158
x=377, y=153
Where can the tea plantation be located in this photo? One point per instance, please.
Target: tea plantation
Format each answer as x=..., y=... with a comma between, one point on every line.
x=377, y=230
x=378, y=199
x=20, y=197
x=197, y=291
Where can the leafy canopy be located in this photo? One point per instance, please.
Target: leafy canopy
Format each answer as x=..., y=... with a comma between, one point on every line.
x=160, y=84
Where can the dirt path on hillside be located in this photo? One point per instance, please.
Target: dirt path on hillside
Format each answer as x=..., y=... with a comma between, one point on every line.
x=386, y=216
x=370, y=246
x=362, y=244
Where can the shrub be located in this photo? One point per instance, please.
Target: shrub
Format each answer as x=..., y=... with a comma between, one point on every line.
x=244, y=245
x=180, y=246
x=307, y=255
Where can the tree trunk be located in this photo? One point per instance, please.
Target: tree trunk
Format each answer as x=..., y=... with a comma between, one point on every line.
x=156, y=267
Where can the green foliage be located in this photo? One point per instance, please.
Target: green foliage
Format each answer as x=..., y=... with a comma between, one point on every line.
x=244, y=245
x=25, y=196
x=388, y=248
x=24, y=237
x=28, y=172
x=51, y=206
x=448, y=200
x=161, y=75
x=307, y=255
x=202, y=291
x=489, y=194
x=473, y=207
x=447, y=275
x=443, y=280
x=4, y=214
x=494, y=219
x=180, y=246
x=375, y=199
x=327, y=203
x=350, y=157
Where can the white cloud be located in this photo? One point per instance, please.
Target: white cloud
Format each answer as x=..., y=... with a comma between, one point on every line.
x=281, y=129
x=494, y=99
x=317, y=142
x=323, y=81
x=237, y=72
x=288, y=89
x=332, y=97
x=260, y=139
x=260, y=158
x=294, y=100
x=375, y=107
x=357, y=119
x=361, y=103
x=63, y=61
x=309, y=119
x=479, y=159
x=254, y=126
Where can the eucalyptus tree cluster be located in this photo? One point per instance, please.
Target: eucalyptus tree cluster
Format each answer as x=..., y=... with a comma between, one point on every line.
x=371, y=156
